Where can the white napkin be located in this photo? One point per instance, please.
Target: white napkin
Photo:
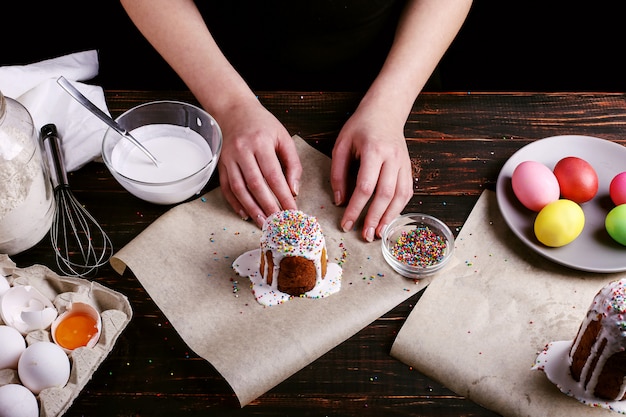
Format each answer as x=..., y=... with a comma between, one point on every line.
x=35, y=87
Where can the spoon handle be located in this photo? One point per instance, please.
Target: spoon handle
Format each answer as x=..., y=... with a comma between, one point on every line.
x=78, y=96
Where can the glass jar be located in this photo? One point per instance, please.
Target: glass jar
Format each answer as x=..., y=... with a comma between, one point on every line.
x=26, y=195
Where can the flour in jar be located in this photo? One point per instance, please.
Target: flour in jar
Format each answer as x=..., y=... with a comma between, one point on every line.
x=27, y=200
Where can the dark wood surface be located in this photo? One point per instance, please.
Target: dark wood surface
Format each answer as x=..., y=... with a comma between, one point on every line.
x=458, y=143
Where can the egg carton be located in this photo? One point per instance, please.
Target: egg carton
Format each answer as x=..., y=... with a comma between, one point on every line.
x=115, y=312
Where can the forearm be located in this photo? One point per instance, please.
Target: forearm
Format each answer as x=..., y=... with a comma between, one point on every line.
x=424, y=33
x=190, y=50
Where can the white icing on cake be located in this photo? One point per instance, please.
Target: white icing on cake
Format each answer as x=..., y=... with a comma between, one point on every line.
x=554, y=361
x=247, y=264
x=292, y=233
x=284, y=234
x=609, y=306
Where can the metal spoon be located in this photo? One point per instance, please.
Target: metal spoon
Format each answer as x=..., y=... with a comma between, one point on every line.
x=78, y=96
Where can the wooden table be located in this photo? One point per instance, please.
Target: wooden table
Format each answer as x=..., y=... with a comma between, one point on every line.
x=457, y=141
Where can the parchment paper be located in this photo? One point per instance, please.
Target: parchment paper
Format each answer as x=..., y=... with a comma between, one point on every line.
x=184, y=261
x=478, y=328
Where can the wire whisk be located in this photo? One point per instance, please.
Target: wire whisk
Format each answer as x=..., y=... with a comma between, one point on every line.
x=80, y=243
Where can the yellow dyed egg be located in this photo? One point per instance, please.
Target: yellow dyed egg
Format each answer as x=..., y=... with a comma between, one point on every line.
x=559, y=223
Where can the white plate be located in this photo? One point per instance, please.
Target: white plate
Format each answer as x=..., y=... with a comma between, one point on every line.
x=593, y=250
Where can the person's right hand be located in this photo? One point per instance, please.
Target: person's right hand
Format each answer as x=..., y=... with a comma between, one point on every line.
x=256, y=150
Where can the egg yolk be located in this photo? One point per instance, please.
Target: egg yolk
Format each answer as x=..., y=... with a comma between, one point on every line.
x=76, y=331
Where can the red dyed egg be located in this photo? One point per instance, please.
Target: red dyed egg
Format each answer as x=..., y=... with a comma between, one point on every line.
x=577, y=179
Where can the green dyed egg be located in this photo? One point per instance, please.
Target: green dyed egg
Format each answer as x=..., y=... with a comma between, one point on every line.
x=615, y=223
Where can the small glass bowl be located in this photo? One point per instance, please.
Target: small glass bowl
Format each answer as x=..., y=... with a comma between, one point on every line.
x=416, y=245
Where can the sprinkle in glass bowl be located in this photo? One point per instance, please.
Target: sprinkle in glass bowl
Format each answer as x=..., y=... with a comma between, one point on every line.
x=416, y=245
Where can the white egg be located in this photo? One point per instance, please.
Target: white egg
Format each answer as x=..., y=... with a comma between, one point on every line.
x=43, y=365
x=12, y=344
x=17, y=401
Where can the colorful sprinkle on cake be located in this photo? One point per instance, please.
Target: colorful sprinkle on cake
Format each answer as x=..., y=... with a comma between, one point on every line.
x=293, y=232
x=291, y=260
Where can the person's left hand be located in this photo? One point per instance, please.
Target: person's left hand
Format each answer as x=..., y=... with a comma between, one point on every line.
x=384, y=176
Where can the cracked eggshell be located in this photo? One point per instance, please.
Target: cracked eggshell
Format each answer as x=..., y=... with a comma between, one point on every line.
x=76, y=310
x=26, y=309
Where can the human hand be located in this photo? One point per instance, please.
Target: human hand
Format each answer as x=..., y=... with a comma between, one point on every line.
x=256, y=148
x=384, y=175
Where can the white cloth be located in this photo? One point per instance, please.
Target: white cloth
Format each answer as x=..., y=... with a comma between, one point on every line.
x=35, y=87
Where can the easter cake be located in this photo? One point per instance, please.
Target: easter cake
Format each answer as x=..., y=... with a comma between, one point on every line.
x=293, y=252
x=598, y=356
x=592, y=367
x=291, y=261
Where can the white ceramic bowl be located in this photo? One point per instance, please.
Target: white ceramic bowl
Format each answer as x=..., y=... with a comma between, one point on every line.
x=416, y=245
x=185, y=139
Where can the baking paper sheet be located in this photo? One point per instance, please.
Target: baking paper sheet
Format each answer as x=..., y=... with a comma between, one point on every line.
x=184, y=261
x=479, y=327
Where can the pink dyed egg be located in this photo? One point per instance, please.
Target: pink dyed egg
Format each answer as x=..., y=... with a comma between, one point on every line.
x=535, y=185
x=617, y=189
